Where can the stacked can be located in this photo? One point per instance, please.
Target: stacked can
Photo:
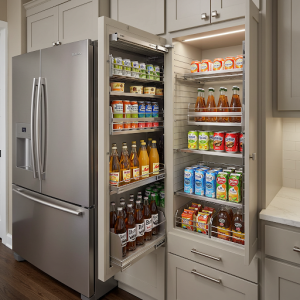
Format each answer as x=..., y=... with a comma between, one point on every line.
x=126, y=67
x=117, y=66
x=127, y=113
x=117, y=108
x=148, y=113
x=135, y=70
x=155, y=111
x=142, y=73
x=149, y=72
x=156, y=73
x=134, y=114
x=141, y=112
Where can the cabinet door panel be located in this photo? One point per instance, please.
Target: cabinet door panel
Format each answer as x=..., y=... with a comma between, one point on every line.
x=42, y=29
x=227, y=9
x=142, y=14
x=78, y=20
x=181, y=16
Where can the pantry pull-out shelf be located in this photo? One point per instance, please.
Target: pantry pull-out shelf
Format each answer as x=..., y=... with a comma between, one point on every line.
x=210, y=152
x=215, y=124
x=120, y=94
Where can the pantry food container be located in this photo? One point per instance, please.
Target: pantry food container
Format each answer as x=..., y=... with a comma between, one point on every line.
x=117, y=86
x=126, y=67
x=149, y=90
x=117, y=66
x=159, y=92
x=136, y=89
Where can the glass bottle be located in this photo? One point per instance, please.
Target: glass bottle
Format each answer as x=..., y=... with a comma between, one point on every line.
x=131, y=229
x=149, y=145
x=139, y=222
x=222, y=105
x=154, y=215
x=147, y=220
x=141, y=141
x=123, y=205
x=235, y=105
x=154, y=159
x=113, y=145
x=113, y=216
x=125, y=165
x=211, y=105
x=144, y=161
x=120, y=229
x=224, y=224
x=160, y=149
x=200, y=105
x=140, y=198
x=133, y=143
x=131, y=201
x=121, y=156
x=134, y=164
x=114, y=167
x=238, y=229
x=225, y=91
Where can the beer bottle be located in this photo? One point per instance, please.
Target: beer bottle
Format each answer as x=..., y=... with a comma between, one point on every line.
x=222, y=105
x=123, y=205
x=149, y=145
x=131, y=229
x=120, y=230
x=140, y=193
x=235, y=104
x=147, y=220
x=154, y=214
x=211, y=105
x=114, y=167
x=113, y=216
x=139, y=222
x=200, y=105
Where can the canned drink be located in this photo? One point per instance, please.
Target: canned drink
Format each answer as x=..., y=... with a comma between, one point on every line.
x=204, y=140
x=126, y=109
x=162, y=198
x=211, y=140
x=189, y=180
x=142, y=75
x=156, y=197
x=148, y=191
x=135, y=64
x=200, y=182
x=135, y=72
x=148, y=124
x=210, y=184
x=127, y=125
x=241, y=143
x=155, y=109
x=157, y=78
x=155, y=124
x=219, y=141
x=141, y=109
x=134, y=113
x=232, y=142
x=149, y=69
x=117, y=108
x=156, y=70
x=193, y=139
x=148, y=109
x=142, y=124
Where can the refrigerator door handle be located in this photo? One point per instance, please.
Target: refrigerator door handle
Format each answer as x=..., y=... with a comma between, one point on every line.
x=32, y=127
x=68, y=210
x=38, y=130
x=45, y=93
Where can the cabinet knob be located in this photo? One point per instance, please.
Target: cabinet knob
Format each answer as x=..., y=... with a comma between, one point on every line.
x=214, y=14
x=204, y=16
x=56, y=43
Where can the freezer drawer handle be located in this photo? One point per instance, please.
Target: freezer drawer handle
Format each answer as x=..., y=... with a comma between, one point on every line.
x=206, y=277
x=206, y=255
x=71, y=211
x=296, y=249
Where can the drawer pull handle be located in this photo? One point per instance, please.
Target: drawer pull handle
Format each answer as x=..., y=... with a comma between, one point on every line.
x=206, y=277
x=206, y=255
x=296, y=249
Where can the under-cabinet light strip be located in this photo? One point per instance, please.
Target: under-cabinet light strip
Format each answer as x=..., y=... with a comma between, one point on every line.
x=213, y=35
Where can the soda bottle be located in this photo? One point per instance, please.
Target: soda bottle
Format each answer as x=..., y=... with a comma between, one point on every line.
x=120, y=229
x=113, y=216
x=131, y=229
x=149, y=145
x=113, y=145
x=141, y=141
x=140, y=198
x=121, y=156
x=144, y=161
x=200, y=105
x=235, y=105
x=238, y=229
x=123, y=205
x=154, y=159
x=139, y=223
x=154, y=214
x=211, y=105
x=147, y=220
x=134, y=164
x=131, y=201
x=125, y=165
x=222, y=105
x=114, y=167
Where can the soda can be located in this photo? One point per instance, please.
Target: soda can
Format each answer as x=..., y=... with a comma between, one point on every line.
x=210, y=184
x=162, y=198
x=193, y=140
x=156, y=197
x=148, y=109
x=211, y=140
x=155, y=109
x=200, y=182
x=232, y=142
x=189, y=180
x=204, y=140
x=219, y=141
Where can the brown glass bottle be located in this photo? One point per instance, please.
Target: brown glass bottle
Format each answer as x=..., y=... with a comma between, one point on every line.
x=139, y=223
x=211, y=105
x=123, y=205
x=154, y=214
x=235, y=105
x=140, y=198
x=147, y=220
x=200, y=105
x=114, y=167
x=222, y=106
x=113, y=216
x=238, y=229
x=131, y=229
x=131, y=201
x=120, y=230
x=224, y=224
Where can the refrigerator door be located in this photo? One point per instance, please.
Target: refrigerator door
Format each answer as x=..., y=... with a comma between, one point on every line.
x=25, y=74
x=66, y=160
x=56, y=237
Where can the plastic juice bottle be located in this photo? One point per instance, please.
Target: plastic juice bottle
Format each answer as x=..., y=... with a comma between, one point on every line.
x=235, y=104
x=222, y=105
x=211, y=105
x=131, y=229
x=154, y=159
x=114, y=167
x=120, y=229
x=238, y=229
x=144, y=161
x=200, y=105
x=139, y=223
x=113, y=216
x=147, y=220
x=141, y=141
x=224, y=224
x=154, y=214
x=149, y=145
x=134, y=164
x=125, y=165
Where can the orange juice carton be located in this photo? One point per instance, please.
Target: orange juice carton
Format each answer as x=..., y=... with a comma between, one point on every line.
x=235, y=188
x=195, y=209
x=187, y=220
x=197, y=205
x=202, y=222
x=222, y=186
x=209, y=210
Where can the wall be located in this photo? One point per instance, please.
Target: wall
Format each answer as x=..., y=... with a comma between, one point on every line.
x=3, y=10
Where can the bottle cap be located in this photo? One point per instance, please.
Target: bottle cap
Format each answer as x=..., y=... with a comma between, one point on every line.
x=141, y=141
x=222, y=89
x=112, y=203
x=129, y=205
x=235, y=88
x=133, y=146
x=114, y=148
x=133, y=143
x=149, y=139
x=143, y=144
x=211, y=89
x=145, y=198
x=120, y=208
x=153, y=195
x=153, y=142
x=124, y=147
x=138, y=202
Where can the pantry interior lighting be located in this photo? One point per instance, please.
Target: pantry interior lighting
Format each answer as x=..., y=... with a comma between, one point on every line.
x=213, y=35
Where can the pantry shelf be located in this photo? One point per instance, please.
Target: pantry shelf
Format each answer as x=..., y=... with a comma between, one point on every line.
x=215, y=124
x=133, y=79
x=119, y=94
x=212, y=200
x=132, y=131
x=215, y=153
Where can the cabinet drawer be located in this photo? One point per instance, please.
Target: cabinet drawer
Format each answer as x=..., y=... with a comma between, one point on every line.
x=191, y=280
x=218, y=256
x=283, y=244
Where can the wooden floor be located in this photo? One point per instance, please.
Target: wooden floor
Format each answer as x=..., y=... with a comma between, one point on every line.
x=21, y=280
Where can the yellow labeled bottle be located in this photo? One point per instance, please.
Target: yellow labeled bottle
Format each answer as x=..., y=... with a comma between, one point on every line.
x=114, y=167
x=141, y=141
x=154, y=160
x=134, y=164
x=144, y=161
x=125, y=165
x=121, y=156
x=149, y=145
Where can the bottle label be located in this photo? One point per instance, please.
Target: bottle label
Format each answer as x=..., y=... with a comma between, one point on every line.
x=145, y=171
x=118, y=108
x=131, y=234
x=148, y=225
x=156, y=168
x=126, y=175
x=114, y=178
x=155, y=220
x=136, y=173
x=127, y=108
x=123, y=238
x=140, y=229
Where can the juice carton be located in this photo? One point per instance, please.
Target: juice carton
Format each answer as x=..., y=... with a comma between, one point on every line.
x=235, y=188
x=187, y=221
x=210, y=184
x=208, y=210
x=200, y=182
x=222, y=186
x=202, y=222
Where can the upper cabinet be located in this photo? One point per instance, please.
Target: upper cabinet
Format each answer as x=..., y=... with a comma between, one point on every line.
x=65, y=22
x=143, y=14
x=222, y=10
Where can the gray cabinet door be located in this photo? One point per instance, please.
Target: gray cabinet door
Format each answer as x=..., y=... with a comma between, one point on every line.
x=42, y=29
x=282, y=281
x=190, y=280
x=142, y=14
x=78, y=20
x=227, y=9
x=181, y=15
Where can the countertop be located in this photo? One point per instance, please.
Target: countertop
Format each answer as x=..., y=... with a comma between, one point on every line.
x=284, y=208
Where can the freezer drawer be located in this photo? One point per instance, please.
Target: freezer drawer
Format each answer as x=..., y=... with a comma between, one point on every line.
x=56, y=237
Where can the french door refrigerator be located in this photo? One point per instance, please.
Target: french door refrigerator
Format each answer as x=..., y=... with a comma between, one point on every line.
x=54, y=203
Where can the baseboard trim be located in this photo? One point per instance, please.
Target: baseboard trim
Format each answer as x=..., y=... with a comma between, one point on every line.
x=134, y=292
x=9, y=241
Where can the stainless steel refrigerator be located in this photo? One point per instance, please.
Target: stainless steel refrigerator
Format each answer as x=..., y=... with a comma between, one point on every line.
x=54, y=159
